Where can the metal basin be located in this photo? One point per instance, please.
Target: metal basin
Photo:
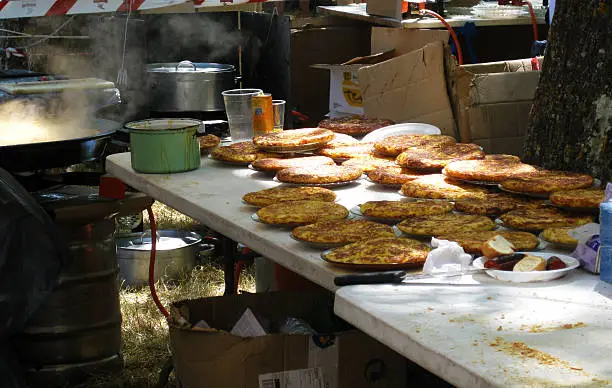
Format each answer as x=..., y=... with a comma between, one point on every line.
x=176, y=253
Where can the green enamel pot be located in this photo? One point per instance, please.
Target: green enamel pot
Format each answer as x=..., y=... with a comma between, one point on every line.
x=164, y=146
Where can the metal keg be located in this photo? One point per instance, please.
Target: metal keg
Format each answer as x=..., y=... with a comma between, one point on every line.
x=77, y=331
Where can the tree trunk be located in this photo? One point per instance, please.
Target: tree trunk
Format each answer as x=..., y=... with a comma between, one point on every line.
x=570, y=124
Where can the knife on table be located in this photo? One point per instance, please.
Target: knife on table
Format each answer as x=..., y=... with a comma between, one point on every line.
x=393, y=277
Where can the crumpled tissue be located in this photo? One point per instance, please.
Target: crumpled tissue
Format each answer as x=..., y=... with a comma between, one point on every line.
x=447, y=257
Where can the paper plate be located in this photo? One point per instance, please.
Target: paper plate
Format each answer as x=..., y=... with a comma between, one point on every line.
x=401, y=129
x=534, y=276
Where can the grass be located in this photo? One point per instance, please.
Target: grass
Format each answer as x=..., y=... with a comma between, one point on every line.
x=144, y=329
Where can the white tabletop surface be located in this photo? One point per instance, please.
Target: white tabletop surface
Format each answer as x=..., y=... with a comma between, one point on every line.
x=448, y=329
x=465, y=332
x=358, y=12
x=213, y=195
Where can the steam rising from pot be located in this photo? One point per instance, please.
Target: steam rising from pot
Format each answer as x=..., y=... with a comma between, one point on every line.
x=40, y=119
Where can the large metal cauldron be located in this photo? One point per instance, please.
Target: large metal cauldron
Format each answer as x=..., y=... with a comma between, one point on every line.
x=187, y=86
x=77, y=331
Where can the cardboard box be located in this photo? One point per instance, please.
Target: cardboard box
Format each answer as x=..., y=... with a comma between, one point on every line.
x=492, y=102
x=344, y=39
x=385, y=8
x=409, y=88
x=403, y=80
x=213, y=358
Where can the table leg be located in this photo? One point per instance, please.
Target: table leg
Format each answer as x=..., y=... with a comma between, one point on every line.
x=229, y=248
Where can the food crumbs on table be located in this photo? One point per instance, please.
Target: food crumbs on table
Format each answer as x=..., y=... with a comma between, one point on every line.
x=503, y=316
x=520, y=349
x=429, y=308
x=499, y=328
x=418, y=331
x=542, y=329
x=489, y=298
x=443, y=313
x=451, y=320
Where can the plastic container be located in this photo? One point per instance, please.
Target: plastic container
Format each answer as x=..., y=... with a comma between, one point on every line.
x=238, y=108
x=605, y=264
x=278, y=107
x=605, y=220
x=164, y=146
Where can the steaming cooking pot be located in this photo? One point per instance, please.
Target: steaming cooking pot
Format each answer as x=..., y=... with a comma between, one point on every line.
x=189, y=87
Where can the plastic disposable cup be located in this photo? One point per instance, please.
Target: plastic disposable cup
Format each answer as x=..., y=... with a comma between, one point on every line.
x=278, y=106
x=239, y=114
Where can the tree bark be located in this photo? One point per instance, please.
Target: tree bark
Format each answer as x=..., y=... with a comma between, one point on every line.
x=570, y=125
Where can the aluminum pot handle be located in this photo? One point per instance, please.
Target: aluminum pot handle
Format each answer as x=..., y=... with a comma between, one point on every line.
x=157, y=236
x=186, y=63
x=237, y=79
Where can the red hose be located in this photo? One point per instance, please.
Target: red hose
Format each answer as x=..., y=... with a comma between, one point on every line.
x=449, y=28
x=534, y=21
x=158, y=303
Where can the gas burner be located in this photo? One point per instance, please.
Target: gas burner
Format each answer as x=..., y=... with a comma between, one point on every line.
x=40, y=181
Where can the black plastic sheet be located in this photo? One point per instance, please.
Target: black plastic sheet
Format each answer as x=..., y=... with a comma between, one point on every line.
x=32, y=253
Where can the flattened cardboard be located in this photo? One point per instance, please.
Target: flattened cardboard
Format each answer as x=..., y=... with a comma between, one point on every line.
x=492, y=102
x=409, y=88
x=385, y=8
x=386, y=45
x=502, y=145
x=503, y=87
x=217, y=359
x=404, y=40
x=344, y=39
x=344, y=92
x=507, y=119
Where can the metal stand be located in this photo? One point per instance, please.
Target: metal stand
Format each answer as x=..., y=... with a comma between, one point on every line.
x=230, y=253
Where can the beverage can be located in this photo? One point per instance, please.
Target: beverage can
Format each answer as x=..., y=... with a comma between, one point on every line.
x=263, y=114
